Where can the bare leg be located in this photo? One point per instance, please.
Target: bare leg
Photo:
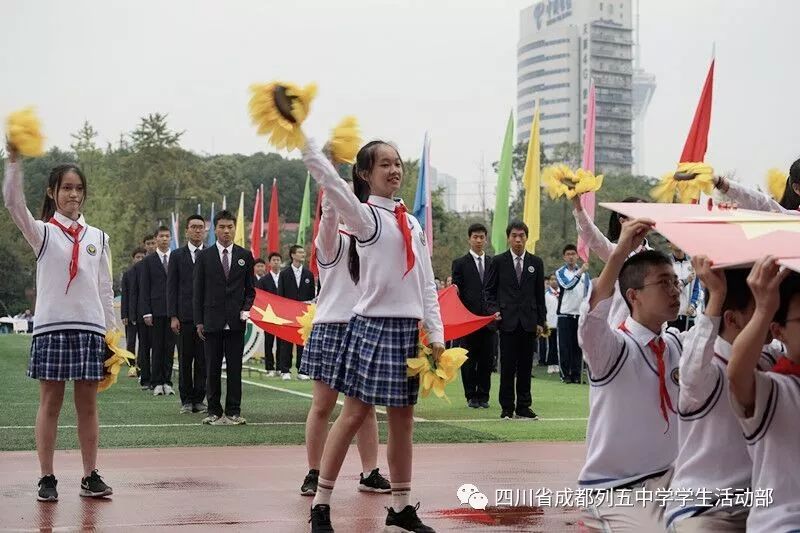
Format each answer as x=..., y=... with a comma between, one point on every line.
x=88, y=423
x=341, y=435
x=51, y=396
x=317, y=422
x=399, y=453
x=367, y=442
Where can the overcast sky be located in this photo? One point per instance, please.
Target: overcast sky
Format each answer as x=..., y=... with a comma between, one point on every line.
x=402, y=67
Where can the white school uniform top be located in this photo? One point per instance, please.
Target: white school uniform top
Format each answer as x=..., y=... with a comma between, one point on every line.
x=712, y=453
x=773, y=442
x=385, y=290
x=747, y=198
x=574, y=290
x=551, y=304
x=338, y=294
x=89, y=304
x=626, y=439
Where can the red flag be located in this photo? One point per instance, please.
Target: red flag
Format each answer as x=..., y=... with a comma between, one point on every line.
x=457, y=320
x=273, y=227
x=694, y=150
x=256, y=229
x=278, y=316
x=317, y=214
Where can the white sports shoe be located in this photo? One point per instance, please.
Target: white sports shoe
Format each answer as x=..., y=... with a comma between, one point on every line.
x=168, y=390
x=271, y=374
x=286, y=377
x=303, y=377
x=158, y=390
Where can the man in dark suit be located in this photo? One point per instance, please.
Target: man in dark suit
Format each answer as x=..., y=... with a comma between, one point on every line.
x=153, y=306
x=470, y=275
x=135, y=315
x=127, y=306
x=516, y=291
x=223, y=295
x=297, y=283
x=180, y=284
x=269, y=283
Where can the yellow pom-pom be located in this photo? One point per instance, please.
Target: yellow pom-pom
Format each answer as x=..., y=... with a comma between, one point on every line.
x=112, y=364
x=306, y=322
x=776, y=183
x=345, y=141
x=557, y=180
x=687, y=182
x=278, y=109
x=24, y=132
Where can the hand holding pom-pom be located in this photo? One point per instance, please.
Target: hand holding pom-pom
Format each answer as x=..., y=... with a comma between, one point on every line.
x=24, y=132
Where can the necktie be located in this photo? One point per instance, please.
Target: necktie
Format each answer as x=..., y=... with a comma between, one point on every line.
x=226, y=263
x=659, y=347
x=480, y=267
x=519, y=269
x=74, y=232
x=164, y=262
x=194, y=255
x=402, y=221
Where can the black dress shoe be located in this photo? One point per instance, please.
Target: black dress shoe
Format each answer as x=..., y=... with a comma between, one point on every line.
x=483, y=405
x=473, y=404
x=507, y=414
x=526, y=413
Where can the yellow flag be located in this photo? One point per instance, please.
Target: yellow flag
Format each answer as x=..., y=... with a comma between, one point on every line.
x=238, y=237
x=531, y=181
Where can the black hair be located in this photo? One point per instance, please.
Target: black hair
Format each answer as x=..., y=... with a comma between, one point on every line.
x=516, y=224
x=365, y=160
x=615, y=224
x=163, y=228
x=569, y=248
x=635, y=270
x=293, y=248
x=194, y=217
x=148, y=237
x=259, y=261
x=138, y=250
x=273, y=254
x=789, y=290
x=790, y=199
x=54, y=184
x=224, y=215
x=477, y=227
x=737, y=296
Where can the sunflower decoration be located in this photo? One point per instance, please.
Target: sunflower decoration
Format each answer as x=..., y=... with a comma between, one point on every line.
x=687, y=183
x=776, y=183
x=560, y=180
x=24, y=132
x=306, y=322
x=435, y=376
x=116, y=356
x=345, y=141
x=546, y=332
x=278, y=109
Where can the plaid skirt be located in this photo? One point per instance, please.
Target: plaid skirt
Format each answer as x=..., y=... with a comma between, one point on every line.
x=321, y=350
x=371, y=364
x=67, y=355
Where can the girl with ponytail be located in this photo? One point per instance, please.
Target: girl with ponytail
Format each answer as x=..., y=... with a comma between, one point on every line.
x=748, y=198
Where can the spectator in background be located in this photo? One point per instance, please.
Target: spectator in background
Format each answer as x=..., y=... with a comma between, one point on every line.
x=127, y=306
x=448, y=281
x=269, y=283
x=259, y=269
x=548, y=345
x=295, y=282
x=574, y=285
x=690, y=289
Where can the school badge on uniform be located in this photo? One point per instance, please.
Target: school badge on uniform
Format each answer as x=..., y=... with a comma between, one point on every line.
x=241, y=262
x=91, y=249
x=531, y=269
x=308, y=281
x=675, y=376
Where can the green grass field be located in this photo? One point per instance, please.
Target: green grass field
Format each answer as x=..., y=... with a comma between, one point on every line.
x=133, y=418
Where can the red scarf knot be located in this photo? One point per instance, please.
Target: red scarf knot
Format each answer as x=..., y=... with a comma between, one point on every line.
x=402, y=220
x=74, y=232
x=787, y=367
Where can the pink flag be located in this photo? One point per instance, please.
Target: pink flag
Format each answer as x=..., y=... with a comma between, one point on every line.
x=587, y=199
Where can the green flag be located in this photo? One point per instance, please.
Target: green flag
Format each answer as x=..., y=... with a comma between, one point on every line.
x=305, y=213
x=500, y=220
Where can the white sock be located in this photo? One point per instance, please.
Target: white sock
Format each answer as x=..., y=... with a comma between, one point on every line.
x=401, y=494
x=365, y=474
x=324, y=490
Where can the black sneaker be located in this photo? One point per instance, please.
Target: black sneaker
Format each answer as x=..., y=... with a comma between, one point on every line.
x=309, y=486
x=526, y=412
x=92, y=486
x=507, y=414
x=483, y=405
x=321, y=519
x=405, y=521
x=374, y=482
x=47, y=489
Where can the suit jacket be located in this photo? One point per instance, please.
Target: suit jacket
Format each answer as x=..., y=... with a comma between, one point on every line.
x=180, y=284
x=153, y=286
x=266, y=283
x=520, y=303
x=471, y=290
x=218, y=301
x=133, y=301
x=287, y=286
x=126, y=307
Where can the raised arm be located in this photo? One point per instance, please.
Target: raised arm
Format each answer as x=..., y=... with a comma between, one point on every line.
x=748, y=198
x=327, y=242
x=14, y=199
x=589, y=232
x=358, y=216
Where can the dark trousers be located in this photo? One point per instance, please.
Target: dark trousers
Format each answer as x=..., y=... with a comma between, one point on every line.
x=476, y=372
x=191, y=365
x=682, y=323
x=548, y=349
x=229, y=345
x=143, y=355
x=163, y=340
x=130, y=337
x=569, y=352
x=285, y=356
x=269, y=352
x=516, y=364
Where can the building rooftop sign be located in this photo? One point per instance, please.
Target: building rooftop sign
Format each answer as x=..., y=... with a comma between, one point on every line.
x=551, y=11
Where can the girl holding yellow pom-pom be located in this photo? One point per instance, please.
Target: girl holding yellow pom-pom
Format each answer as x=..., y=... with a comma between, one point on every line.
x=74, y=310
x=787, y=202
x=397, y=291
